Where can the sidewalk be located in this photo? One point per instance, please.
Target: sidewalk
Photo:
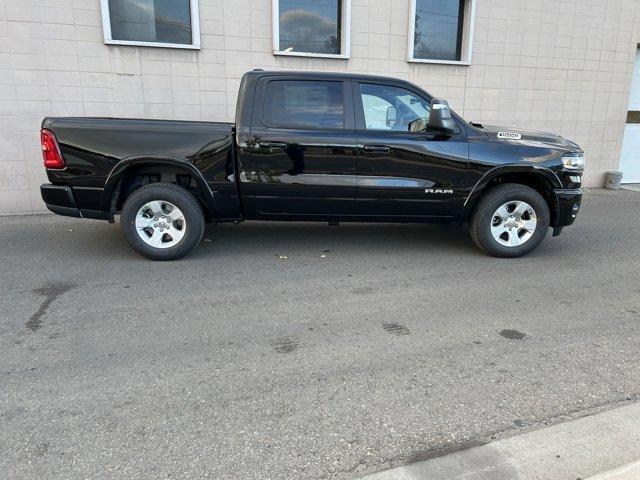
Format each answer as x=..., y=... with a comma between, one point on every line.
x=605, y=446
x=630, y=471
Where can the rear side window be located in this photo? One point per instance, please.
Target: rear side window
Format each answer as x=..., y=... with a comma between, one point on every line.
x=304, y=104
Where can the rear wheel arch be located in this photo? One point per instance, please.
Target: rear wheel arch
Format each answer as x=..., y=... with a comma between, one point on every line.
x=542, y=181
x=133, y=173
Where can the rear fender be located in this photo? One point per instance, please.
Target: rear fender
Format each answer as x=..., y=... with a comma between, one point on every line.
x=126, y=165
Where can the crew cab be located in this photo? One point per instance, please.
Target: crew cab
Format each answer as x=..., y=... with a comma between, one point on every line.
x=330, y=147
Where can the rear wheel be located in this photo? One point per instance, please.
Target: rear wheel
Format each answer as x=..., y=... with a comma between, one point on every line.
x=162, y=221
x=510, y=220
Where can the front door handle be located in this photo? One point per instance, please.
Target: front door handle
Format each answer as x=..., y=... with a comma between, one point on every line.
x=376, y=148
x=272, y=144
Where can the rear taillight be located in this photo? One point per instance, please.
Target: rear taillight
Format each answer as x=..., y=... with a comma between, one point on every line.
x=50, y=150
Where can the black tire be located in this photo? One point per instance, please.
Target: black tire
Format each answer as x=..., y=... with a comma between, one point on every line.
x=193, y=220
x=480, y=226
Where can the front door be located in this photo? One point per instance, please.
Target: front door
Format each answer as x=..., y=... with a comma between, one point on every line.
x=404, y=170
x=302, y=156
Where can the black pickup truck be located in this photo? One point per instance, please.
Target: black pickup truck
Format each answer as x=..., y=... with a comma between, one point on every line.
x=313, y=147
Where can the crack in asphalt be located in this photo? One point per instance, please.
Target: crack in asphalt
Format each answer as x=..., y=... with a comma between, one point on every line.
x=50, y=292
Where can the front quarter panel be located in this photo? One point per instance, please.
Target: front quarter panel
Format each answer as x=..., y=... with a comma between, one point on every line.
x=490, y=158
x=486, y=153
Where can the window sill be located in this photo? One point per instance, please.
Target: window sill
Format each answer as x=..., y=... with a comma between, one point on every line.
x=440, y=62
x=311, y=55
x=133, y=43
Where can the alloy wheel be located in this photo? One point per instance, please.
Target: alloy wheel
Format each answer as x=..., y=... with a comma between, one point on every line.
x=160, y=224
x=513, y=223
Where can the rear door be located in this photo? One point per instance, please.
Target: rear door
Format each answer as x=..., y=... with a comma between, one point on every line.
x=302, y=146
x=404, y=170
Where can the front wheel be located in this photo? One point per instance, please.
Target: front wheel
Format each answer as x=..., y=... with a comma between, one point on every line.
x=510, y=220
x=162, y=221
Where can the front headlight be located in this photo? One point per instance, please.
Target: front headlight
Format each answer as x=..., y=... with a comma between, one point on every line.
x=573, y=162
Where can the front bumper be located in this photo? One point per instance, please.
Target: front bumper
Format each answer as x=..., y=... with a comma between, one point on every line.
x=59, y=199
x=567, y=202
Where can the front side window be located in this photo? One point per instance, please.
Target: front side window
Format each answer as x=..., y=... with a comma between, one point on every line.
x=304, y=104
x=441, y=30
x=151, y=22
x=393, y=108
x=311, y=27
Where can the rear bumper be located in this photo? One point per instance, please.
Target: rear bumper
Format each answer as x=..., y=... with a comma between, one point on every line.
x=59, y=199
x=567, y=206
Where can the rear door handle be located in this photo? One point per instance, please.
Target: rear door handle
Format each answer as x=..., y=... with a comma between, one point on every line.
x=376, y=148
x=272, y=144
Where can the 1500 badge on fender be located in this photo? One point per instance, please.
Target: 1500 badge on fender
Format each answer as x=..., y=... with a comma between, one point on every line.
x=510, y=136
x=330, y=147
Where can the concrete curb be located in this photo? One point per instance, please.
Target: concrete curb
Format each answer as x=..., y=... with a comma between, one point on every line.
x=630, y=471
x=586, y=448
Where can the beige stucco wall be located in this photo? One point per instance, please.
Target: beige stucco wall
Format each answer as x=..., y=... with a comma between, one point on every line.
x=558, y=65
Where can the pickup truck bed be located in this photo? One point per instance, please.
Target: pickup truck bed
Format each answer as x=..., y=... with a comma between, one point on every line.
x=99, y=151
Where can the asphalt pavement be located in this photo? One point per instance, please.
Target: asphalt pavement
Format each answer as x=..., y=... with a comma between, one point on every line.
x=303, y=351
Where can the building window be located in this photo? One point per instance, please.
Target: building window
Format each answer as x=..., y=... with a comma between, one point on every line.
x=311, y=28
x=441, y=31
x=154, y=23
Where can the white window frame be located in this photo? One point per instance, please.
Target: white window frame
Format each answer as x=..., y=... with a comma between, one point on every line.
x=345, y=34
x=467, y=36
x=195, y=30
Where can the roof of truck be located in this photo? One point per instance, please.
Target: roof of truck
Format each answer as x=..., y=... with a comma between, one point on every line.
x=360, y=76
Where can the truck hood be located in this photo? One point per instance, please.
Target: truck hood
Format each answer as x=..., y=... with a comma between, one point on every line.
x=530, y=137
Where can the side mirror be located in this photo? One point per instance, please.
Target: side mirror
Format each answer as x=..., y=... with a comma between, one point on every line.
x=440, y=117
x=391, y=116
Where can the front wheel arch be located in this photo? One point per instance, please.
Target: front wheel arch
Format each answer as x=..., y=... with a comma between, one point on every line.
x=542, y=181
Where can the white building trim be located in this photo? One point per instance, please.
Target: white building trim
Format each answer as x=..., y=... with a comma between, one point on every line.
x=195, y=30
x=345, y=34
x=467, y=36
